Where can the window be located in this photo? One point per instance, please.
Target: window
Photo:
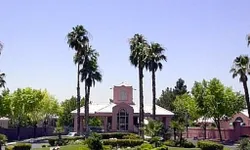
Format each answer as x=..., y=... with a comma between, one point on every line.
x=123, y=95
x=122, y=120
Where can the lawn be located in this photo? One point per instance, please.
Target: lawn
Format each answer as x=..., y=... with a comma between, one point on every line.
x=80, y=147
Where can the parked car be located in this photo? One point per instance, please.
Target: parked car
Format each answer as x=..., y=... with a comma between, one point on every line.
x=96, y=129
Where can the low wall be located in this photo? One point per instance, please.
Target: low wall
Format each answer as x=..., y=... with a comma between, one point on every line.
x=26, y=133
x=227, y=134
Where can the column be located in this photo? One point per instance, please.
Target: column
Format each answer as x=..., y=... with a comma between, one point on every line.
x=81, y=124
x=105, y=124
x=75, y=122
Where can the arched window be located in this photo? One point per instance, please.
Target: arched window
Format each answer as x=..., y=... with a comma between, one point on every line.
x=122, y=120
x=239, y=119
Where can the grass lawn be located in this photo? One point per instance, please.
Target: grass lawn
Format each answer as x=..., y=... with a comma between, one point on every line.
x=80, y=147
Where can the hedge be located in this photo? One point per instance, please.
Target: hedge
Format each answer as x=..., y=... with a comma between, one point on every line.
x=117, y=135
x=63, y=141
x=19, y=146
x=209, y=145
x=123, y=142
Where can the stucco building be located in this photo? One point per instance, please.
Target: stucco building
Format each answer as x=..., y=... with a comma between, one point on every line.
x=122, y=113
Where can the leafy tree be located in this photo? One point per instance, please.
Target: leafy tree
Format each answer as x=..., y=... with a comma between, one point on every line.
x=23, y=103
x=78, y=40
x=180, y=87
x=138, y=48
x=222, y=101
x=241, y=69
x=199, y=92
x=90, y=74
x=5, y=102
x=166, y=99
x=185, y=110
x=68, y=105
x=154, y=58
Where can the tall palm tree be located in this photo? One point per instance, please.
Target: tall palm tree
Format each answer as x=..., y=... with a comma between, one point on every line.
x=241, y=69
x=78, y=40
x=155, y=55
x=138, y=48
x=89, y=74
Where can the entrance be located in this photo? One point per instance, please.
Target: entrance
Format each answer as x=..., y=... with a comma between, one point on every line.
x=122, y=120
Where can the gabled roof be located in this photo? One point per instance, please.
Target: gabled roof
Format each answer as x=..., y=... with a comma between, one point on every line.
x=108, y=108
x=123, y=84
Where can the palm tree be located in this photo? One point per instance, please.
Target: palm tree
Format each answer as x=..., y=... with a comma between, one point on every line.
x=78, y=40
x=138, y=47
x=154, y=57
x=90, y=74
x=241, y=69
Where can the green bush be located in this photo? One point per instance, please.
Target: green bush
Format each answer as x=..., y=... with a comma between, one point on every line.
x=161, y=148
x=52, y=142
x=94, y=142
x=171, y=143
x=107, y=147
x=3, y=139
x=244, y=144
x=117, y=135
x=187, y=144
x=209, y=145
x=9, y=147
x=131, y=136
x=146, y=146
x=21, y=146
x=123, y=142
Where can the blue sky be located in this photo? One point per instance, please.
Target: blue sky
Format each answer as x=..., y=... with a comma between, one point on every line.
x=202, y=39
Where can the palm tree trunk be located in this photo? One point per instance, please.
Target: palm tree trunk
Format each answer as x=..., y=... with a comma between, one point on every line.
x=154, y=92
x=86, y=108
x=78, y=100
x=246, y=96
x=141, y=117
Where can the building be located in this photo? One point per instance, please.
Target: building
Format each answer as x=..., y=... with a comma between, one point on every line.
x=232, y=128
x=121, y=113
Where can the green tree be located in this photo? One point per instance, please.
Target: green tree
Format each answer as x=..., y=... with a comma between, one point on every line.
x=90, y=74
x=138, y=48
x=49, y=107
x=222, y=101
x=68, y=105
x=78, y=40
x=155, y=56
x=185, y=110
x=241, y=69
x=180, y=87
x=5, y=102
x=199, y=92
x=23, y=103
x=166, y=99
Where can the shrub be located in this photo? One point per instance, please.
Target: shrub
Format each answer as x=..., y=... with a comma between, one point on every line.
x=161, y=148
x=187, y=144
x=117, y=135
x=3, y=139
x=9, y=147
x=52, y=142
x=244, y=144
x=123, y=142
x=171, y=143
x=94, y=142
x=21, y=146
x=131, y=136
x=208, y=145
x=146, y=146
x=107, y=147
